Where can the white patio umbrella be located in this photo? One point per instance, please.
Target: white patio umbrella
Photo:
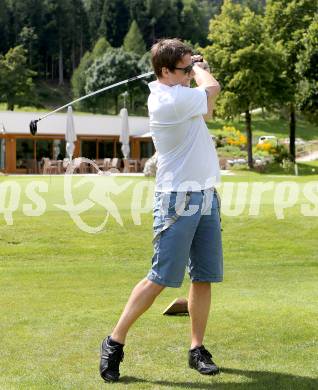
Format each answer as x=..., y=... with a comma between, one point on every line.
x=70, y=135
x=124, y=134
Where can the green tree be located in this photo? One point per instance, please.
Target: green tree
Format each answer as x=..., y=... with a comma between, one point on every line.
x=4, y=26
x=155, y=19
x=248, y=66
x=26, y=26
x=287, y=22
x=63, y=37
x=100, y=48
x=78, y=80
x=257, y=6
x=134, y=41
x=144, y=63
x=114, y=21
x=15, y=78
x=192, y=22
x=308, y=70
x=77, y=31
x=114, y=66
x=28, y=37
x=94, y=12
x=57, y=27
x=139, y=103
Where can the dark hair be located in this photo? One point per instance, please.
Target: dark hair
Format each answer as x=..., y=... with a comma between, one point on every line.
x=166, y=53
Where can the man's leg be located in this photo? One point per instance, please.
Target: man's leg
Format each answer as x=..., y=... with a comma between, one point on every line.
x=206, y=264
x=199, y=307
x=141, y=298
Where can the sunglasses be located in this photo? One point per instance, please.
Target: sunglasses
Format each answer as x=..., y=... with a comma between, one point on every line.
x=187, y=69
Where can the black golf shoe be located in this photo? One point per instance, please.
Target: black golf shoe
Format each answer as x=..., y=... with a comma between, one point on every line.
x=111, y=355
x=201, y=360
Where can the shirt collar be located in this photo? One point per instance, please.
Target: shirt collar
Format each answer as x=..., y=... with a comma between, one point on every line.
x=153, y=85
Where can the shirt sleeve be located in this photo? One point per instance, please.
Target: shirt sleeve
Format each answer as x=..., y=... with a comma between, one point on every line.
x=190, y=102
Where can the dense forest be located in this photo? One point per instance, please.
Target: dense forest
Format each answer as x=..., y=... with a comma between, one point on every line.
x=57, y=33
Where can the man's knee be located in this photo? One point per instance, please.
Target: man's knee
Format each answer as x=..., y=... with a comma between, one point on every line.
x=198, y=286
x=155, y=288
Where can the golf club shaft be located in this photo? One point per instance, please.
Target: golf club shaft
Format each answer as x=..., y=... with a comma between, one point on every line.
x=97, y=92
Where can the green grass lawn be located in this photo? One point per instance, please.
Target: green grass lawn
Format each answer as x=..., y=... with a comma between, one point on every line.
x=270, y=125
x=304, y=169
x=63, y=290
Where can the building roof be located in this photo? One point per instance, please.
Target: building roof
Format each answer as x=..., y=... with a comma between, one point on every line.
x=85, y=124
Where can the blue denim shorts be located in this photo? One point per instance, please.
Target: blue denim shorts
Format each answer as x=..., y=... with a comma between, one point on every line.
x=187, y=234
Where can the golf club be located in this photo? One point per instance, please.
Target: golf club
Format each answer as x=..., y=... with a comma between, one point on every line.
x=34, y=123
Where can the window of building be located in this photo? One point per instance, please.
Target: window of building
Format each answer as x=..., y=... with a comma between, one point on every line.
x=59, y=151
x=147, y=149
x=24, y=152
x=44, y=149
x=119, y=153
x=88, y=149
x=105, y=149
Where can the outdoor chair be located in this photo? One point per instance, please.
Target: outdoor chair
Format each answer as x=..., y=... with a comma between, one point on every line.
x=51, y=166
x=100, y=165
x=115, y=164
x=77, y=165
x=103, y=164
x=31, y=166
x=65, y=164
x=81, y=166
x=107, y=162
x=130, y=165
x=56, y=166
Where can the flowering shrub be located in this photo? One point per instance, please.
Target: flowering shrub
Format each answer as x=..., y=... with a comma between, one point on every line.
x=234, y=137
x=279, y=152
x=266, y=146
x=229, y=135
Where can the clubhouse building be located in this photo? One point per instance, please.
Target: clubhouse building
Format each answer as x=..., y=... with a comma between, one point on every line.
x=97, y=138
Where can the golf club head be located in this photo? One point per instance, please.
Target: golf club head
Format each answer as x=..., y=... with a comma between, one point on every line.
x=34, y=126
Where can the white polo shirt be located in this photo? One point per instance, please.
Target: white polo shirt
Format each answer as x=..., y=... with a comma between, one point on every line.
x=187, y=159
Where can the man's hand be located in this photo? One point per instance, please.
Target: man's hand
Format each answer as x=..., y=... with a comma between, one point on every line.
x=199, y=61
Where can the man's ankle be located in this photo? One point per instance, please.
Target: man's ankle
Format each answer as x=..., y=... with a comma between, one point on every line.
x=195, y=345
x=116, y=340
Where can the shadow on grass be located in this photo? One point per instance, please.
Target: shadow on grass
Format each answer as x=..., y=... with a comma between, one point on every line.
x=258, y=380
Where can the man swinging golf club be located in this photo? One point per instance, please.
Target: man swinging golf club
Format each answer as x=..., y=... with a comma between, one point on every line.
x=187, y=230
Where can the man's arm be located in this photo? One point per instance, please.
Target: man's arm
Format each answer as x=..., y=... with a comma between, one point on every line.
x=204, y=78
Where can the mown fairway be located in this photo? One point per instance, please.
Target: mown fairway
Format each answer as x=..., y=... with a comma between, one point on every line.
x=62, y=290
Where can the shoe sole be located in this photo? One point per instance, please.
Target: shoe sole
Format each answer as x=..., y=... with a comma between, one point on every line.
x=206, y=373
x=109, y=380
